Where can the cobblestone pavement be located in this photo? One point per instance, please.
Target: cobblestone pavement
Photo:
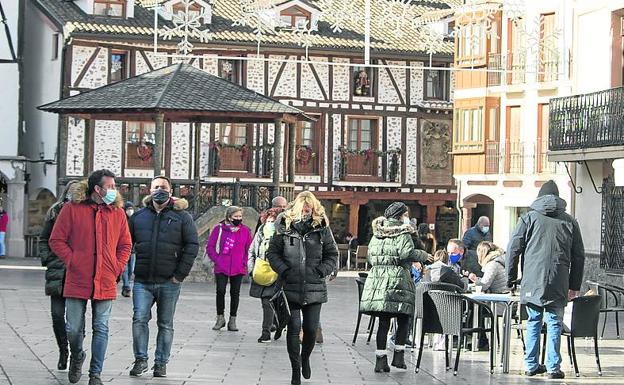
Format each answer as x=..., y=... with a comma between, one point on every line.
x=201, y=356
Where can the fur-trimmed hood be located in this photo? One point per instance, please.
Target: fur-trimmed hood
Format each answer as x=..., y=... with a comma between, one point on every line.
x=178, y=204
x=78, y=194
x=389, y=228
x=494, y=255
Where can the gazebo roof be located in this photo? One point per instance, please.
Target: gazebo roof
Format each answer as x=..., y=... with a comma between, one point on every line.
x=182, y=93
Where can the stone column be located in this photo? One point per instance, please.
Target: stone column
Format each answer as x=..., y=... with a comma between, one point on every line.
x=354, y=218
x=159, y=120
x=15, y=208
x=292, y=144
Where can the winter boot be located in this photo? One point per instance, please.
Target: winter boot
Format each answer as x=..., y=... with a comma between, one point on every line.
x=306, y=371
x=62, y=361
x=232, y=324
x=381, y=363
x=220, y=322
x=398, y=360
x=296, y=375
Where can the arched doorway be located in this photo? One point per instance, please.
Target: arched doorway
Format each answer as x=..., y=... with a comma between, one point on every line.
x=475, y=206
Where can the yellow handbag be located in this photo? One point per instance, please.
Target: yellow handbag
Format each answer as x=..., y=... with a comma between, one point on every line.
x=262, y=273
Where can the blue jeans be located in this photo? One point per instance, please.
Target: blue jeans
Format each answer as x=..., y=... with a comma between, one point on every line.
x=75, y=324
x=165, y=295
x=553, y=317
x=128, y=271
x=2, y=246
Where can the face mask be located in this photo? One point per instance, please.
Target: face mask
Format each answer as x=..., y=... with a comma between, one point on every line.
x=305, y=217
x=237, y=222
x=485, y=229
x=129, y=212
x=109, y=197
x=454, y=258
x=270, y=226
x=406, y=221
x=160, y=196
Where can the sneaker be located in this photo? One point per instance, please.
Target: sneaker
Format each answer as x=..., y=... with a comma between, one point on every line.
x=556, y=375
x=126, y=292
x=278, y=334
x=75, y=368
x=541, y=369
x=94, y=379
x=62, y=361
x=140, y=367
x=265, y=337
x=160, y=370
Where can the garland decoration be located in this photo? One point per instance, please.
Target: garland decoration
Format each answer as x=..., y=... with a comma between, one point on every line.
x=145, y=151
x=304, y=154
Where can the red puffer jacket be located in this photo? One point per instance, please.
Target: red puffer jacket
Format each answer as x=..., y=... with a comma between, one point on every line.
x=94, y=243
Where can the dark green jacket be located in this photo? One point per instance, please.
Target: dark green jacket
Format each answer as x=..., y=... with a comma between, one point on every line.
x=554, y=256
x=55, y=268
x=389, y=287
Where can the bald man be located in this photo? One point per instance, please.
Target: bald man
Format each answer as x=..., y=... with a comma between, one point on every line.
x=478, y=233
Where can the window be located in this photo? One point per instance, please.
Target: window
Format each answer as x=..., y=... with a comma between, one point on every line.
x=362, y=80
x=542, y=139
x=140, y=140
x=306, y=153
x=361, y=134
x=118, y=66
x=436, y=84
x=548, y=50
x=194, y=10
x=295, y=17
x=516, y=54
x=115, y=8
x=230, y=70
x=55, y=46
x=468, y=129
x=514, y=148
x=471, y=43
x=361, y=159
x=234, y=134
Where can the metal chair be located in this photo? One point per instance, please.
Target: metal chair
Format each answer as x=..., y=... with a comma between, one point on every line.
x=585, y=317
x=419, y=308
x=371, y=323
x=361, y=256
x=451, y=308
x=607, y=307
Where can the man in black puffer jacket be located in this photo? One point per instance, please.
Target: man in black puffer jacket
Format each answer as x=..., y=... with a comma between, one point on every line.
x=166, y=244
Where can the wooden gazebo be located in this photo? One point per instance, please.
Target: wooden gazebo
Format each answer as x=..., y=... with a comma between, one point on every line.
x=184, y=94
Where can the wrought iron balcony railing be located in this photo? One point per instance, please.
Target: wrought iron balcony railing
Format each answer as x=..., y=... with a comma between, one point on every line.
x=587, y=121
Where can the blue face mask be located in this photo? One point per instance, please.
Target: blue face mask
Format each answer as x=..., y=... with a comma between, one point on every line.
x=454, y=258
x=485, y=229
x=110, y=196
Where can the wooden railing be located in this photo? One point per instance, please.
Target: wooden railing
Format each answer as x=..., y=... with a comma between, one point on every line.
x=587, y=121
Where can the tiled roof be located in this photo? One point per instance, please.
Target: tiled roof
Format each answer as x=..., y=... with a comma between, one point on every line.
x=179, y=87
x=76, y=22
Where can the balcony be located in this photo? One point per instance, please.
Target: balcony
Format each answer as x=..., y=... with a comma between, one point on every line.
x=587, y=126
x=515, y=157
x=364, y=165
x=506, y=69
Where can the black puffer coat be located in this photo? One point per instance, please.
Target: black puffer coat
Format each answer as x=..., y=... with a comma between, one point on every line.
x=303, y=256
x=554, y=256
x=165, y=243
x=55, y=268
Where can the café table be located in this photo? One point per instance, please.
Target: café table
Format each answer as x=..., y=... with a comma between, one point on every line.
x=507, y=301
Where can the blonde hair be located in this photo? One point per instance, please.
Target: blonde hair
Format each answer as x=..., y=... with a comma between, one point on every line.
x=295, y=210
x=230, y=211
x=441, y=255
x=483, y=249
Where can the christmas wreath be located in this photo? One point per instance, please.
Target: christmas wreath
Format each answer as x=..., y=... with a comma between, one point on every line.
x=304, y=155
x=145, y=151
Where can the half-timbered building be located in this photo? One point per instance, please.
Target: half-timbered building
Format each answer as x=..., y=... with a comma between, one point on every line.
x=377, y=133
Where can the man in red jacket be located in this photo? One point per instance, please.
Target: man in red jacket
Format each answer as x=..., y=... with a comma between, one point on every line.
x=91, y=237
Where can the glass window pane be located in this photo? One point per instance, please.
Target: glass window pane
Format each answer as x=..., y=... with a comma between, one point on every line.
x=99, y=9
x=366, y=136
x=115, y=10
x=365, y=145
x=286, y=19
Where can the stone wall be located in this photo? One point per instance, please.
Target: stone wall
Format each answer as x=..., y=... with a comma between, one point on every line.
x=37, y=210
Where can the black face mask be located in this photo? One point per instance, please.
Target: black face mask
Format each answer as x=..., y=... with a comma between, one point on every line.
x=237, y=222
x=161, y=196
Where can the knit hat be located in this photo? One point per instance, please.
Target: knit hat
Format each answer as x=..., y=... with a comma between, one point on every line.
x=395, y=210
x=128, y=205
x=548, y=188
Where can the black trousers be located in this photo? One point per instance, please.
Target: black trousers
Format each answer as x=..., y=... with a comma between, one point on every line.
x=235, y=285
x=267, y=316
x=57, y=309
x=311, y=316
x=403, y=327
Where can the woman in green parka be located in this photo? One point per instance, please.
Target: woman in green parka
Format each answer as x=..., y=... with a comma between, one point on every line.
x=389, y=289
x=55, y=278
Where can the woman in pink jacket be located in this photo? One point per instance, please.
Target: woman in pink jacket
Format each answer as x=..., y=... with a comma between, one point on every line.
x=228, y=247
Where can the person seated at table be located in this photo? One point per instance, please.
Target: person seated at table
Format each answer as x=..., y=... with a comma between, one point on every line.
x=441, y=271
x=492, y=258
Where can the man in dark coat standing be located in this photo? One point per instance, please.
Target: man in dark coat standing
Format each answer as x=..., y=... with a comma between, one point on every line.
x=165, y=239
x=550, y=242
x=478, y=233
